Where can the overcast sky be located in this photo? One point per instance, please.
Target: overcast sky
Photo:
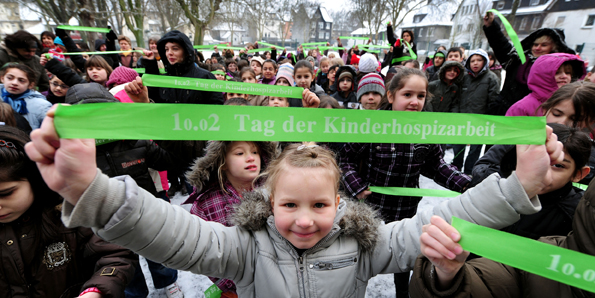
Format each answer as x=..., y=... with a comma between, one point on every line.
x=332, y=5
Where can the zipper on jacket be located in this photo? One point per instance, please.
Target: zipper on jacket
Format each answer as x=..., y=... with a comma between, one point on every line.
x=301, y=262
x=111, y=162
x=334, y=264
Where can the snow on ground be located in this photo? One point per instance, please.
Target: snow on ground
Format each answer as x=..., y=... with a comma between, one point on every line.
x=381, y=286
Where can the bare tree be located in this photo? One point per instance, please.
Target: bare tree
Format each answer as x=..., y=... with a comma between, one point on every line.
x=283, y=13
x=170, y=14
x=260, y=12
x=200, y=13
x=134, y=17
x=232, y=15
x=398, y=9
x=303, y=19
x=371, y=14
x=512, y=15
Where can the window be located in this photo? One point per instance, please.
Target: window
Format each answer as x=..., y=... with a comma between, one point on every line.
x=534, y=2
x=590, y=20
x=431, y=31
x=535, y=23
x=327, y=35
x=320, y=35
x=469, y=27
x=421, y=32
x=459, y=28
x=320, y=25
x=328, y=26
x=559, y=21
x=500, y=5
x=523, y=23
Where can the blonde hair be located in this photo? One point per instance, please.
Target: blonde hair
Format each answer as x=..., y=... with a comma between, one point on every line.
x=337, y=61
x=544, y=38
x=307, y=155
x=325, y=59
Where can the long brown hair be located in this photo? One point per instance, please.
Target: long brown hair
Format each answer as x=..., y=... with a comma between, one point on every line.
x=98, y=61
x=582, y=95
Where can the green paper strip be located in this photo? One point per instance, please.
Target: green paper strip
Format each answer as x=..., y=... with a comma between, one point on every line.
x=213, y=292
x=562, y=265
x=259, y=50
x=230, y=48
x=81, y=28
x=99, y=142
x=221, y=86
x=267, y=44
x=139, y=70
x=218, y=72
x=373, y=46
x=581, y=186
x=354, y=37
x=414, y=192
x=512, y=34
x=405, y=58
x=254, y=123
x=102, y=53
x=202, y=47
x=313, y=43
x=326, y=48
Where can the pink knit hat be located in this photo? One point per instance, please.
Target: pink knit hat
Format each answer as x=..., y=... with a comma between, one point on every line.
x=121, y=75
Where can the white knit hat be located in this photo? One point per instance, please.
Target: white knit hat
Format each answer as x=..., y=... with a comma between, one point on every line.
x=368, y=63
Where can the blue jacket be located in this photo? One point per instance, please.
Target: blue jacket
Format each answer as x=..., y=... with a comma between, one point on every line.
x=37, y=105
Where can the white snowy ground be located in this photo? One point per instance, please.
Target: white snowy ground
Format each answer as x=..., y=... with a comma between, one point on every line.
x=381, y=286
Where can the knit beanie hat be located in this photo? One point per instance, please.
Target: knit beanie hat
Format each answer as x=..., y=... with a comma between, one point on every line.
x=345, y=74
x=310, y=59
x=354, y=59
x=367, y=63
x=58, y=40
x=371, y=82
x=121, y=75
x=257, y=58
x=286, y=72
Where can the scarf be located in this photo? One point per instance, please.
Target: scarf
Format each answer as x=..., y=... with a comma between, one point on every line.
x=16, y=101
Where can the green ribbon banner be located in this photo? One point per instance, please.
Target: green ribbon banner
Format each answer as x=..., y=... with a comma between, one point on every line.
x=414, y=192
x=139, y=70
x=81, y=28
x=254, y=123
x=267, y=44
x=373, y=46
x=102, y=53
x=230, y=48
x=213, y=292
x=354, y=37
x=405, y=58
x=259, y=50
x=221, y=86
x=562, y=265
x=313, y=43
x=326, y=48
x=512, y=34
x=199, y=47
x=218, y=72
x=581, y=186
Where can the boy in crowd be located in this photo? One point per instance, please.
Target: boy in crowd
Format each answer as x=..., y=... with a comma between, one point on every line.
x=370, y=91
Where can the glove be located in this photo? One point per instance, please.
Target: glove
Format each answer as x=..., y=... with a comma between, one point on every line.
x=398, y=43
x=111, y=36
x=61, y=32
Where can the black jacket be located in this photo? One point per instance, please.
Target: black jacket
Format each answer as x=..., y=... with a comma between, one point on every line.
x=445, y=96
x=513, y=89
x=339, y=95
x=399, y=51
x=70, y=46
x=133, y=158
x=188, y=69
x=64, y=73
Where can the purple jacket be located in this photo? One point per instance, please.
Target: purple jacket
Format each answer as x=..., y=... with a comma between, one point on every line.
x=542, y=82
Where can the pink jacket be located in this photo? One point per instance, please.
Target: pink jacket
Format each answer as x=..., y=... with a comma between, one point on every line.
x=542, y=82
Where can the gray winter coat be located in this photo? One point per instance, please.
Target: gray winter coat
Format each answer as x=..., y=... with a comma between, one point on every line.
x=445, y=96
x=478, y=91
x=37, y=105
x=261, y=262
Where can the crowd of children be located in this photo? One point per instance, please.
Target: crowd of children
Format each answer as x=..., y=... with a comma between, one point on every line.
x=276, y=219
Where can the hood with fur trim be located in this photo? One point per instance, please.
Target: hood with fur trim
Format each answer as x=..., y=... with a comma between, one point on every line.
x=446, y=65
x=557, y=36
x=357, y=220
x=486, y=60
x=204, y=170
x=344, y=68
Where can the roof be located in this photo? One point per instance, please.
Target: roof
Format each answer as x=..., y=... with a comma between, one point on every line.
x=366, y=31
x=325, y=16
x=531, y=9
x=435, y=15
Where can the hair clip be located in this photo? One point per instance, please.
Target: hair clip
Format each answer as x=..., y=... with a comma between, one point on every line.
x=4, y=143
x=301, y=147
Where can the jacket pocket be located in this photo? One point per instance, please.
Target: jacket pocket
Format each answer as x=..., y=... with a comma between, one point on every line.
x=335, y=264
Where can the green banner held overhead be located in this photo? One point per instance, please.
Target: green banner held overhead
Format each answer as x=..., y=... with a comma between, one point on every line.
x=354, y=37
x=267, y=44
x=221, y=86
x=326, y=48
x=81, y=28
x=102, y=53
x=215, y=122
x=373, y=46
x=414, y=192
x=204, y=47
x=512, y=34
x=562, y=265
x=313, y=44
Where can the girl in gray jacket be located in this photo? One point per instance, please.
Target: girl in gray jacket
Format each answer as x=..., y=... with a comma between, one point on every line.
x=302, y=240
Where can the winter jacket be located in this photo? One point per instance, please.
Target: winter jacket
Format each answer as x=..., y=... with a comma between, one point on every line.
x=399, y=51
x=515, y=84
x=488, y=279
x=70, y=46
x=64, y=73
x=71, y=262
x=497, y=70
x=542, y=82
x=261, y=262
x=350, y=101
x=8, y=55
x=134, y=158
x=445, y=96
x=478, y=91
x=432, y=70
x=110, y=45
x=185, y=69
x=37, y=105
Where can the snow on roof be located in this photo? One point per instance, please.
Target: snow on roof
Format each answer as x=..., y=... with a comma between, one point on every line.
x=325, y=16
x=530, y=9
x=435, y=15
x=366, y=31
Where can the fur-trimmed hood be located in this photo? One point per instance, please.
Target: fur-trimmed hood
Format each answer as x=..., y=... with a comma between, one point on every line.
x=355, y=219
x=204, y=169
x=446, y=65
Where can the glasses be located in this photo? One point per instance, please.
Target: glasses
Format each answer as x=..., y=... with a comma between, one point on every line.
x=56, y=85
